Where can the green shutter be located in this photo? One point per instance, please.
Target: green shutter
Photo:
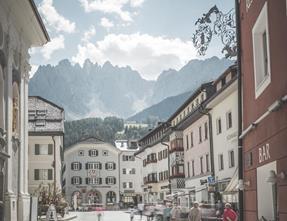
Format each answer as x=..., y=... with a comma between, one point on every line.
x=37, y=149
x=50, y=174
x=50, y=149
x=36, y=174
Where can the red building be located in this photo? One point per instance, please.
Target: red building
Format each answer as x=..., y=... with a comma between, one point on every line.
x=264, y=85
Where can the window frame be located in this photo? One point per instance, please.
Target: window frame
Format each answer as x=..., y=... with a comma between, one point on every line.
x=229, y=122
x=260, y=27
x=220, y=162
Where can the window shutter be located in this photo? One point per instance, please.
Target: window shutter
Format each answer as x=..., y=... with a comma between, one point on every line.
x=80, y=166
x=100, y=181
x=36, y=174
x=80, y=179
x=106, y=180
x=87, y=180
x=50, y=174
x=89, y=152
x=114, y=166
x=114, y=180
x=100, y=166
x=72, y=180
x=86, y=166
x=37, y=149
x=72, y=166
x=50, y=149
x=106, y=166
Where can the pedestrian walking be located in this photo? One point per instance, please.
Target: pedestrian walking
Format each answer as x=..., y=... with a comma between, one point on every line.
x=229, y=214
x=132, y=213
x=141, y=209
x=194, y=213
x=175, y=213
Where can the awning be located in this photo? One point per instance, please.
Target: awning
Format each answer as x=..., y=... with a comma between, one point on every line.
x=230, y=194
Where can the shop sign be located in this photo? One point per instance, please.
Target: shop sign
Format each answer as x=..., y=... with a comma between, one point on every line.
x=264, y=153
x=210, y=180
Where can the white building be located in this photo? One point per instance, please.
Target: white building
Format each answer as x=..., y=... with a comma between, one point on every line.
x=46, y=129
x=130, y=170
x=189, y=148
x=92, y=173
x=224, y=111
x=153, y=153
x=20, y=29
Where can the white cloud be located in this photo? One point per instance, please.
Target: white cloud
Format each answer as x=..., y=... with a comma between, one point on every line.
x=54, y=19
x=89, y=34
x=147, y=54
x=52, y=46
x=112, y=7
x=106, y=23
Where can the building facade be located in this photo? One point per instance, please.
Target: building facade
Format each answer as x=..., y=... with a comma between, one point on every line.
x=264, y=85
x=223, y=108
x=92, y=173
x=191, y=164
x=20, y=29
x=154, y=156
x=46, y=129
x=130, y=169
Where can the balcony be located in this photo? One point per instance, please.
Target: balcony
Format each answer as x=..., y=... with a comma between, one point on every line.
x=176, y=145
x=178, y=175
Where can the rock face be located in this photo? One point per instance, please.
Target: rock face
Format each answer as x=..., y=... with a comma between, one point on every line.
x=99, y=91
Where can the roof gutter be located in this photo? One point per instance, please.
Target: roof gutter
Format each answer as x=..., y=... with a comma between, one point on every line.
x=272, y=108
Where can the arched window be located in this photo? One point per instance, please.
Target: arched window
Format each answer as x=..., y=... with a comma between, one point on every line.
x=111, y=197
x=94, y=197
x=2, y=108
x=16, y=106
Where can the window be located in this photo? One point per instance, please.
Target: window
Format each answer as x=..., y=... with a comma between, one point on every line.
x=192, y=164
x=124, y=171
x=105, y=153
x=207, y=162
x=261, y=53
x=110, y=180
x=191, y=139
x=205, y=131
x=93, y=166
x=130, y=185
x=76, y=166
x=200, y=135
x=111, y=197
x=128, y=158
x=228, y=120
x=93, y=153
x=43, y=149
x=81, y=153
x=110, y=166
x=76, y=180
x=164, y=154
x=231, y=158
x=43, y=174
x=220, y=162
x=201, y=165
x=187, y=142
x=131, y=171
x=218, y=126
x=94, y=180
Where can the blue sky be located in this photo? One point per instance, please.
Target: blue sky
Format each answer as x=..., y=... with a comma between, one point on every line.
x=148, y=35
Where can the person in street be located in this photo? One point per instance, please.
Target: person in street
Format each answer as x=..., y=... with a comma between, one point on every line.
x=141, y=209
x=219, y=208
x=175, y=212
x=132, y=213
x=229, y=214
x=194, y=213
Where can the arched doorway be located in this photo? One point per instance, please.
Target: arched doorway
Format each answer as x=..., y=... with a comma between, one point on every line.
x=94, y=197
x=111, y=197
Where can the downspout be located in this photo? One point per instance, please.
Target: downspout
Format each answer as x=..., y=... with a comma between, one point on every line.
x=54, y=164
x=240, y=151
x=168, y=163
x=119, y=157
